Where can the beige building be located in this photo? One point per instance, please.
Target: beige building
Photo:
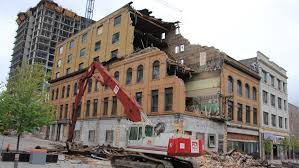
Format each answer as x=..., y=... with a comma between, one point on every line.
x=183, y=85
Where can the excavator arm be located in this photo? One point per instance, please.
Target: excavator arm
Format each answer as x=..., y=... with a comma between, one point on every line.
x=131, y=108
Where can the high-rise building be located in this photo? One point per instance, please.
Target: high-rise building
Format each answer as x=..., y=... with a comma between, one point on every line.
x=273, y=102
x=40, y=28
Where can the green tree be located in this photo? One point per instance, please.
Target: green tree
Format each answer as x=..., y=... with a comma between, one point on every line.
x=268, y=147
x=24, y=103
x=285, y=143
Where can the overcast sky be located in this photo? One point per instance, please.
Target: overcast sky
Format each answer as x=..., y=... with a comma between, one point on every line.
x=239, y=28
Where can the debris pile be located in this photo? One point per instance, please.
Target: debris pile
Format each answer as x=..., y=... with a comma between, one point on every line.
x=231, y=160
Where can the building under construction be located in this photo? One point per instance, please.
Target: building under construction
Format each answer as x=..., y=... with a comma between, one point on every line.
x=196, y=90
x=39, y=30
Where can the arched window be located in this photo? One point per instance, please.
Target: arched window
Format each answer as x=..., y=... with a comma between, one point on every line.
x=116, y=75
x=239, y=88
x=230, y=84
x=129, y=76
x=156, y=70
x=247, y=90
x=139, y=73
x=254, y=93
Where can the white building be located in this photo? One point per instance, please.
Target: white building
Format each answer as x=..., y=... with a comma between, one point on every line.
x=274, y=103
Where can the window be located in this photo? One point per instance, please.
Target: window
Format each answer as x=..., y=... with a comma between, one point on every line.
x=77, y=135
x=149, y=130
x=89, y=85
x=105, y=106
x=212, y=140
x=168, y=99
x=96, y=59
x=114, y=105
x=182, y=48
x=138, y=97
x=154, y=104
x=163, y=36
x=53, y=93
x=177, y=31
x=81, y=66
x=68, y=71
x=265, y=97
x=99, y=30
x=75, y=89
x=133, y=133
x=156, y=70
x=68, y=89
x=109, y=136
x=286, y=123
x=97, y=86
x=82, y=52
x=115, y=38
x=62, y=92
x=66, y=109
x=247, y=90
x=279, y=102
x=280, y=122
x=114, y=53
x=97, y=46
x=177, y=49
x=84, y=38
x=69, y=58
x=273, y=100
x=266, y=118
x=254, y=93
x=279, y=84
x=87, y=108
x=239, y=88
x=200, y=135
x=272, y=80
x=78, y=110
x=57, y=93
x=59, y=63
x=57, y=75
x=129, y=76
x=230, y=110
x=230, y=84
x=91, y=135
x=95, y=107
x=240, y=111
x=255, y=116
x=284, y=85
x=60, y=50
x=285, y=105
x=139, y=73
x=273, y=119
x=264, y=76
x=247, y=114
x=61, y=111
x=116, y=75
x=117, y=20
x=71, y=44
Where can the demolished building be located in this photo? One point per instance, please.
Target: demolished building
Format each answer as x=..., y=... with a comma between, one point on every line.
x=183, y=85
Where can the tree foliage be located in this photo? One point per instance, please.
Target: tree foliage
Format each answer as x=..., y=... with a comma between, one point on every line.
x=23, y=104
x=268, y=146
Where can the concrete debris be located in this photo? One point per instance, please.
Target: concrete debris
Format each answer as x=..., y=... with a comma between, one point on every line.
x=75, y=161
x=232, y=160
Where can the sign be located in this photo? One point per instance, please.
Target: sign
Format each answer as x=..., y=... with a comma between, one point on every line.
x=194, y=146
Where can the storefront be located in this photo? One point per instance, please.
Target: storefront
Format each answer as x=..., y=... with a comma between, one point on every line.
x=276, y=152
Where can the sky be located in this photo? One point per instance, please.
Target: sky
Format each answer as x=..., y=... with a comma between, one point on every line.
x=239, y=28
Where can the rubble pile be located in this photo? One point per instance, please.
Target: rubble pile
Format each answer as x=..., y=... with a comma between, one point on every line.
x=232, y=160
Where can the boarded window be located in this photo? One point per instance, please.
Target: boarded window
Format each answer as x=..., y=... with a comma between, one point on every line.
x=91, y=135
x=109, y=136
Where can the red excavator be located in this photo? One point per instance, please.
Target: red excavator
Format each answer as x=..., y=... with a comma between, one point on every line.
x=150, y=145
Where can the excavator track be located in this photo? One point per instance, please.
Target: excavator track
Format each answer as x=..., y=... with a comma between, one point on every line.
x=141, y=160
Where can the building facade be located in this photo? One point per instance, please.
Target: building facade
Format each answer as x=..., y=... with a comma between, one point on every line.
x=294, y=123
x=134, y=47
x=39, y=30
x=274, y=103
